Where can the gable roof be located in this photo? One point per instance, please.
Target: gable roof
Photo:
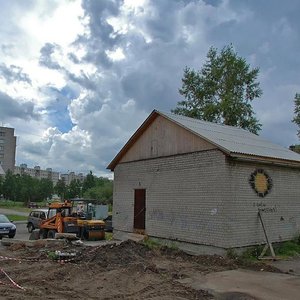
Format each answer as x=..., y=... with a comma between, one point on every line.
x=233, y=141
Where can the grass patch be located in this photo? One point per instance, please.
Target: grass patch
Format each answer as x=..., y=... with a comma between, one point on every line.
x=151, y=244
x=16, y=218
x=11, y=204
x=19, y=206
x=155, y=244
x=284, y=250
x=108, y=236
x=287, y=249
x=52, y=255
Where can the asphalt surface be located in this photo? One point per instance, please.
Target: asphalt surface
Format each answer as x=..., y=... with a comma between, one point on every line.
x=248, y=285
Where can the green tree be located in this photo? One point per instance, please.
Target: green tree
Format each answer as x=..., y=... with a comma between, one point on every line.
x=45, y=187
x=10, y=186
x=74, y=189
x=26, y=187
x=296, y=118
x=89, y=182
x=103, y=190
x=221, y=91
x=61, y=188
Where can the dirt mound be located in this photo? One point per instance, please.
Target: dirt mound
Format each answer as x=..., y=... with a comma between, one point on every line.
x=128, y=270
x=113, y=255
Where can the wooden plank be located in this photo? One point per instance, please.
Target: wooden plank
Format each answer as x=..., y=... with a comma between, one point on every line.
x=269, y=244
x=164, y=138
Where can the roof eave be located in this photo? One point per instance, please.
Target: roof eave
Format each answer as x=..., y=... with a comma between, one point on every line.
x=265, y=159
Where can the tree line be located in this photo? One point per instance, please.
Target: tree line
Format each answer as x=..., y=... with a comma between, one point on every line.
x=24, y=188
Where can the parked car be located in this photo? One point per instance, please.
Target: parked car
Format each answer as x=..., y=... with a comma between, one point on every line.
x=32, y=205
x=35, y=218
x=108, y=224
x=7, y=228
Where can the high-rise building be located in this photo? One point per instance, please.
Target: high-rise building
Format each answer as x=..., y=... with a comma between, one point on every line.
x=68, y=177
x=7, y=148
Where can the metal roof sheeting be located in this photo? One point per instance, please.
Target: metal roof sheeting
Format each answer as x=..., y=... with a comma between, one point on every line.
x=233, y=139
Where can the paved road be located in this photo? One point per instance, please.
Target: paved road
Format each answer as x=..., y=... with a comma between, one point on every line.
x=22, y=232
x=246, y=284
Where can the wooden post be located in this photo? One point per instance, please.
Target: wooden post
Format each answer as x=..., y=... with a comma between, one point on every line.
x=269, y=244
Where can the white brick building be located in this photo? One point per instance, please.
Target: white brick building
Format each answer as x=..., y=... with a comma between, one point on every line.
x=202, y=183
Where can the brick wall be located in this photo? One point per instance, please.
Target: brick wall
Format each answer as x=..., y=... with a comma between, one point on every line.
x=281, y=206
x=186, y=196
x=203, y=198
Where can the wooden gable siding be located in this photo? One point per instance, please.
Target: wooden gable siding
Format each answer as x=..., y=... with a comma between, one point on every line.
x=164, y=138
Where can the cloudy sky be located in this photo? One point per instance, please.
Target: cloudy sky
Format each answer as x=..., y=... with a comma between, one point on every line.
x=77, y=78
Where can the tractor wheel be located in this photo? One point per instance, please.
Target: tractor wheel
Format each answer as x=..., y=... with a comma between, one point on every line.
x=43, y=233
x=51, y=234
x=30, y=227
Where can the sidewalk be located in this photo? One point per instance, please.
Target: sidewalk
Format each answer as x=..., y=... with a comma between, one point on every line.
x=290, y=266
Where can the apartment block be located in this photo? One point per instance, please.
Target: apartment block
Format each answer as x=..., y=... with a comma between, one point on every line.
x=68, y=177
x=37, y=172
x=7, y=148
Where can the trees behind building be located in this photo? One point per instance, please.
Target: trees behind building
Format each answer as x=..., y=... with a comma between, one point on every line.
x=296, y=118
x=24, y=188
x=92, y=187
x=222, y=91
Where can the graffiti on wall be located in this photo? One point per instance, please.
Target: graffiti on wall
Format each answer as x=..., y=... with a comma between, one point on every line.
x=262, y=207
x=261, y=182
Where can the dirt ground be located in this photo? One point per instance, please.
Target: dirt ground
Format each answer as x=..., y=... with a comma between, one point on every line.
x=125, y=271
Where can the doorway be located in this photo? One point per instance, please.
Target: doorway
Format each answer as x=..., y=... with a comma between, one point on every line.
x=139, y=209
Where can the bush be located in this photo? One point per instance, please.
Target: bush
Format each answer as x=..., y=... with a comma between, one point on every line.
x=9, y=203
x=289, y=248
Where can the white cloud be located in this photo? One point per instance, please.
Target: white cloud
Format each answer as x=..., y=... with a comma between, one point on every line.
x=115, y=55
x=59, y=25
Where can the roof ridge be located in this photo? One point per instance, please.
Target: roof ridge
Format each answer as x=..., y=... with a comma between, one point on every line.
x=203, y=121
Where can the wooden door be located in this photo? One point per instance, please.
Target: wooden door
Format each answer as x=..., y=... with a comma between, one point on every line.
x=139, y=209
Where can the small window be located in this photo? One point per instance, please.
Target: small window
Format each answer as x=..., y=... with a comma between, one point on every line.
x=2, y=133
x=1, y=141
x=1, y=148
x=1, y=155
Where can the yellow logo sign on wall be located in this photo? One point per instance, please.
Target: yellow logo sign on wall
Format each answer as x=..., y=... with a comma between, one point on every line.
x=261, y=182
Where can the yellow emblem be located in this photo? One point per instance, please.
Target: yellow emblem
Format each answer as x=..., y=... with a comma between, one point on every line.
x=260, y=182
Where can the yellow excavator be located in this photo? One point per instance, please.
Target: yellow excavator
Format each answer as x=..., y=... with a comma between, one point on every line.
x=62, y=218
